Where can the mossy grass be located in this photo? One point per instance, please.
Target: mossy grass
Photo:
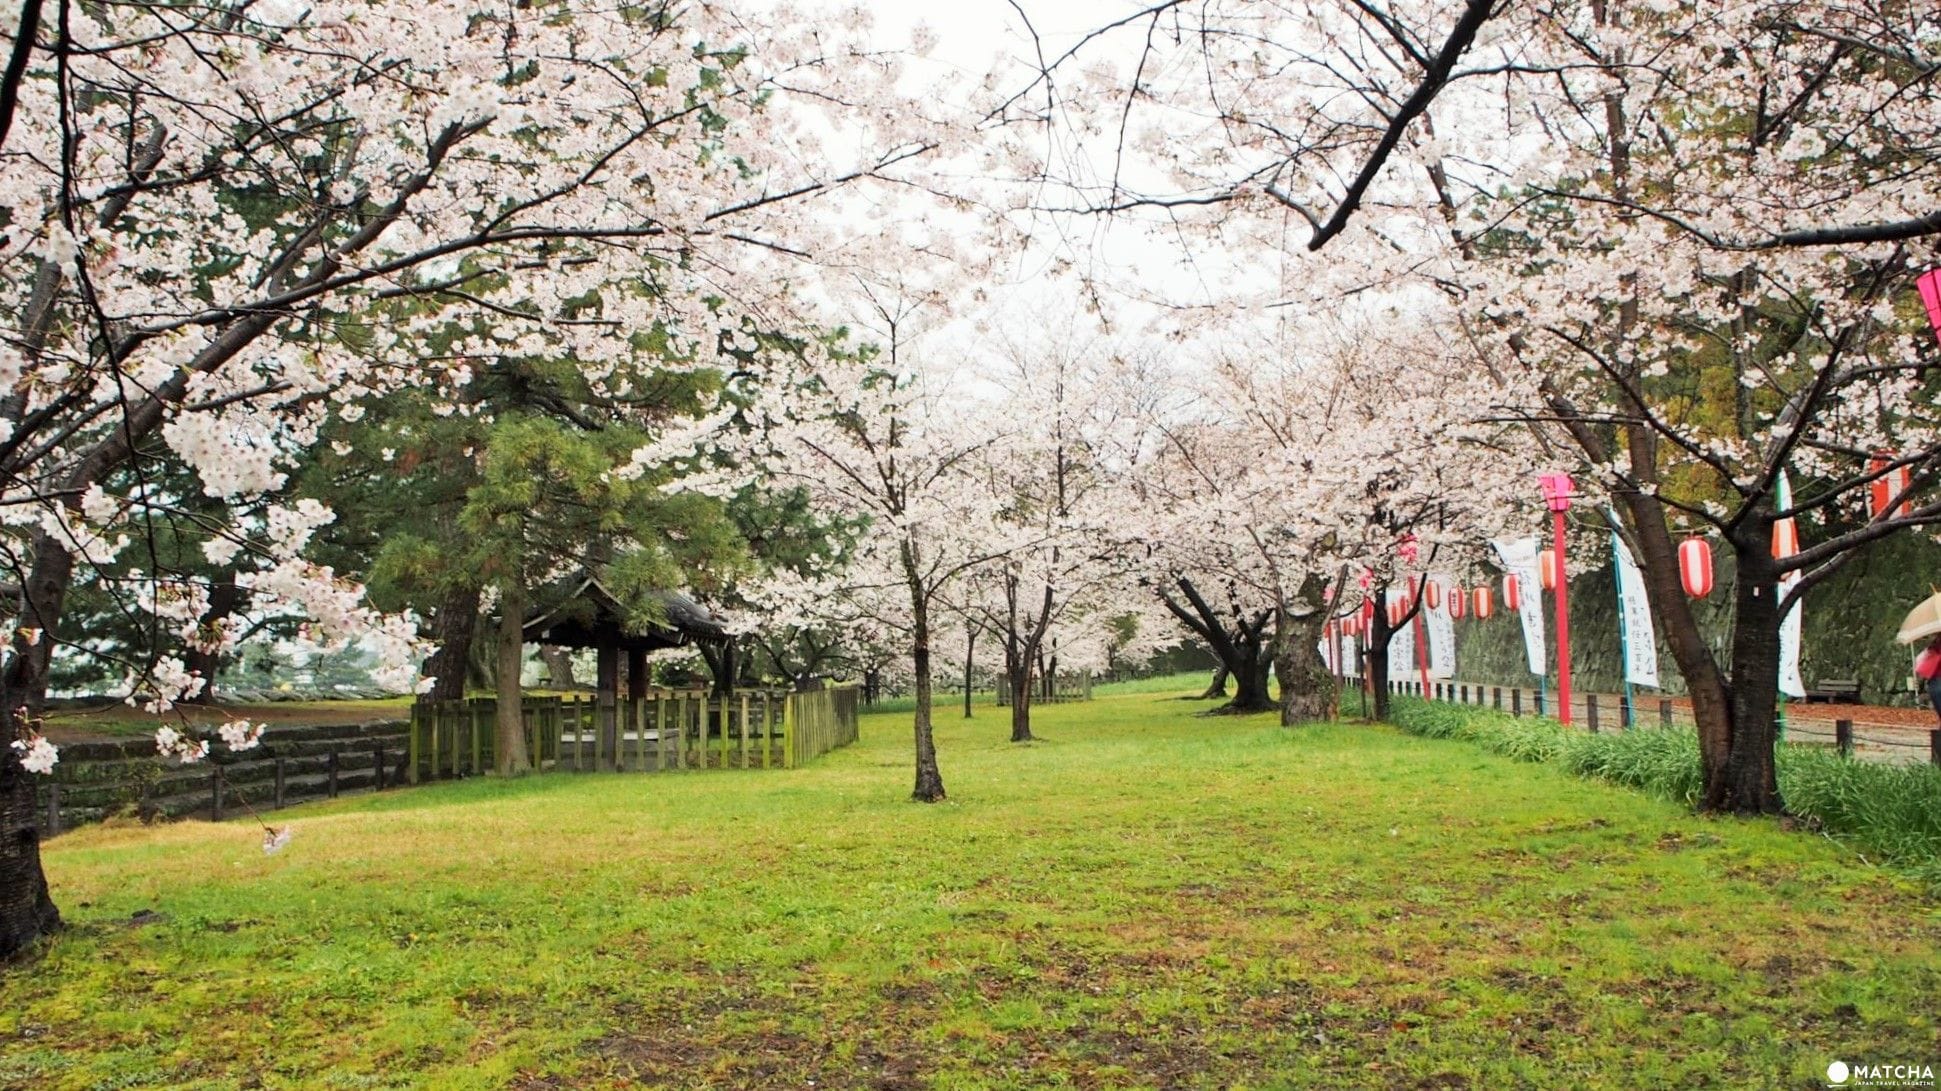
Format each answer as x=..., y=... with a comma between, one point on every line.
x=1142, y=899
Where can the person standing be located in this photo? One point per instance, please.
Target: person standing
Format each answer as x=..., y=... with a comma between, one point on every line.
x=1927, y=668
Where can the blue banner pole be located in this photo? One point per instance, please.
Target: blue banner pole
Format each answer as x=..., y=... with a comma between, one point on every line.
x=1624, y=628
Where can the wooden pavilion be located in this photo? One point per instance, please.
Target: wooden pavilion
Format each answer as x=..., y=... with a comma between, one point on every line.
x=593, y=617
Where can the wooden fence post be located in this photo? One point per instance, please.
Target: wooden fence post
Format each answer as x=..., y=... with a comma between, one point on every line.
x=1843, y=737
x=1516, y=701
x=1496, y=697
x=1590, y=712
x=416, y=747
x=791, y=722
x=744, y=730
x=276, y=799
x=330, y=781
x=215, y=793
x=1664, y=712
x=53, y=808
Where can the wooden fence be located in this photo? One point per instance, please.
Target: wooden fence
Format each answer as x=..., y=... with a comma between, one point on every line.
x=1068, y=686
x=1893, y=743
x=666, y=730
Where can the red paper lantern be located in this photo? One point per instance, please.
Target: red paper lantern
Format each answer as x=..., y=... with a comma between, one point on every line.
x=1432, y=594
x=1888, y=484
x=1547, y=569
x=1456, y=599
x=1785, y=538
x=1512, y=593
x=1484, y=607
x=1930, y=285
x=1695, y=567
x=1368, y=615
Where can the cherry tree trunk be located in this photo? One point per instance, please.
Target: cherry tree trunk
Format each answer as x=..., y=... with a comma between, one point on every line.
x=970, y=659
x=1375, y=656
x=930, y=780
x=1307, y=685
x=1746, y=781
x=1217, y=687
x=510, y=723
x=1250, y=685
x=1017, y=671
x=43, y=595
x=1736, y=720
x=27, y=911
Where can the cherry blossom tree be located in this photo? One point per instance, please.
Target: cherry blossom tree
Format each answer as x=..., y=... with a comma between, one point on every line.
x=1053, y=483
x=1358, y=448
x=1681, y=238
x=1699, y=308
x=875, y=439
x=229, y=221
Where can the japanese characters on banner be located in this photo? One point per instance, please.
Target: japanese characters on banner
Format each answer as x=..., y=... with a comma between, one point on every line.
x=1341, y=655
x=1401, y=651
x=1519, y=558
x=1634, y=613
x=1790, y=683
x=1442, y=637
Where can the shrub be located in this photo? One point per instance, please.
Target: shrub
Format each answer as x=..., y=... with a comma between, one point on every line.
x=1890, y=811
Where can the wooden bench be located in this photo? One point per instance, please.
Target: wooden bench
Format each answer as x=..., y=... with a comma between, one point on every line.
x=1844, y=691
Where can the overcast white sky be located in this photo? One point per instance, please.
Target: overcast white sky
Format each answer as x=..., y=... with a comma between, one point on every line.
x=971, y=35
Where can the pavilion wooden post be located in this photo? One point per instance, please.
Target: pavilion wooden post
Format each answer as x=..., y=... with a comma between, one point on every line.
x=608, y=743
x=637, y=674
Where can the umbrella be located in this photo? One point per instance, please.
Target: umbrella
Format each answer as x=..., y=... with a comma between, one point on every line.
x=1922, y=621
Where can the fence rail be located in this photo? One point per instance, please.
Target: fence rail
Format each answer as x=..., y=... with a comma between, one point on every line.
x=1067, y=686
x=1883, y=742
x=664, y=731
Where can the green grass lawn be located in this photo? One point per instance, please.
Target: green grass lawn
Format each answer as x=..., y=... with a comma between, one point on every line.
x=1145, y=899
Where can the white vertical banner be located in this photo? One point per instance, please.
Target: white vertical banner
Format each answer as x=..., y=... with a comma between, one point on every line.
x=1789, y=626
x=1442, y=635
x=1519, y=558
x=1401, y=651
x=1634, y=613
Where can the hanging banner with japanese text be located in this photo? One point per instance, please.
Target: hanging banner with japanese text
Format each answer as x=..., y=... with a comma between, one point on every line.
x=1519, y=558
x=1634, y=613
x=1442, y=636
x=1789, y=626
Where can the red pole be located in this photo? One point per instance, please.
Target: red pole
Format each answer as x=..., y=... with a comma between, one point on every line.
x=1563, y=627
x=1421, y=640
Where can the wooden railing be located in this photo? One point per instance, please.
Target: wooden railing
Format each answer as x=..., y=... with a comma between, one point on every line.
x=1067, y=686
x=666, y=730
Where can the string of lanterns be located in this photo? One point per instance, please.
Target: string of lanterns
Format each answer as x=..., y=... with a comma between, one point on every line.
x=1887, y=493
